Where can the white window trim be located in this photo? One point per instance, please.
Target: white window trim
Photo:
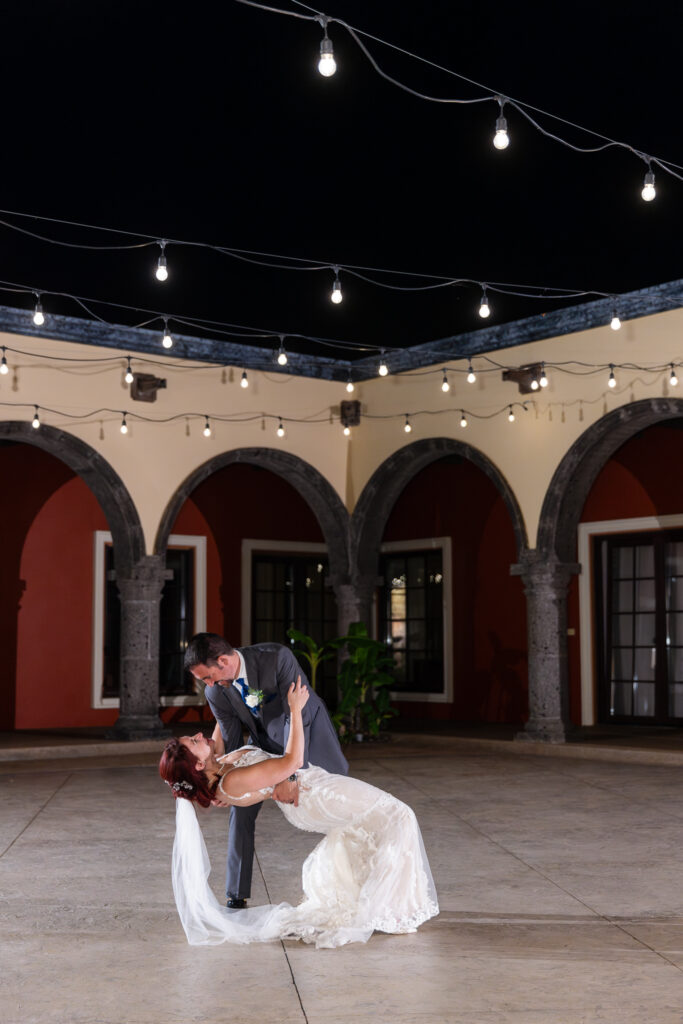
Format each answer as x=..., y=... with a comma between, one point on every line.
x=432, y=543
x=586, y=532
x=176, y=540
x=249, y=546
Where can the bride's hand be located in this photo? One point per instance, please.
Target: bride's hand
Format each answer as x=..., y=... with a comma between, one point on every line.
x=298, y=695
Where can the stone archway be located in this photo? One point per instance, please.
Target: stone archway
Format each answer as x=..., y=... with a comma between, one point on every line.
x=313, y=487
x=381, y=492
x=546, y=572
x=136, y=574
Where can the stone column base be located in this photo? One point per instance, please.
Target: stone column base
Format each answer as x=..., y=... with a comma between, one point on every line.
x=542, y=730
x=139, y=727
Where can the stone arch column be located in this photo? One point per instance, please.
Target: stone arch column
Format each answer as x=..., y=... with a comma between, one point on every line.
x=139, y=684
x=546, y=572
x=313, y=487
x=380, y=495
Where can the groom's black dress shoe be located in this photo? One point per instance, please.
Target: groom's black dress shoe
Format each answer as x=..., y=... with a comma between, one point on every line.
x=236, y=903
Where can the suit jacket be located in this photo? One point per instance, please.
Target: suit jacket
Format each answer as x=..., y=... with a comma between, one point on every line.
x=272, y=668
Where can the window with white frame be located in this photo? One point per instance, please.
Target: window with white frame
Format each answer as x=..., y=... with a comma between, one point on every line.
x=182, y=613
x=414, y=617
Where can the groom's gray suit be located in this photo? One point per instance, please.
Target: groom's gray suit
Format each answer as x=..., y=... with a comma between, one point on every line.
x=271, y=668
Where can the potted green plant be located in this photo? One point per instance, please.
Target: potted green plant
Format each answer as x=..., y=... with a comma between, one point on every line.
x=314, y=653
x=364, y=685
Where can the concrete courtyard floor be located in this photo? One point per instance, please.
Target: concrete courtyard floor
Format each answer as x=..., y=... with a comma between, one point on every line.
x=559, y=880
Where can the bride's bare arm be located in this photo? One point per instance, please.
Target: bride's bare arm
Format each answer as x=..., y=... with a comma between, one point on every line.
x=268, y=773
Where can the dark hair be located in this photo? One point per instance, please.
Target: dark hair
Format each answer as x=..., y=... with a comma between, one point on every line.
x=205, y=649
x=178, y=767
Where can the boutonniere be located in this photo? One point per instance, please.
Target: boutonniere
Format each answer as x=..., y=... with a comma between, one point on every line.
x=254, y=698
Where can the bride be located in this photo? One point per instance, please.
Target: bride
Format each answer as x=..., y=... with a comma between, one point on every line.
x=369, y=873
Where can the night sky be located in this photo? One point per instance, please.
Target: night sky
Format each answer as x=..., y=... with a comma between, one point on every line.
x=209, y=122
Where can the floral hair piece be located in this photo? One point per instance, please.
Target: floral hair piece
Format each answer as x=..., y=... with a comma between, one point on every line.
x=177, y=786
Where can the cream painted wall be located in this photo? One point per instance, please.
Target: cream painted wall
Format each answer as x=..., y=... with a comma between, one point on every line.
x=528, y=451
x=153, y=459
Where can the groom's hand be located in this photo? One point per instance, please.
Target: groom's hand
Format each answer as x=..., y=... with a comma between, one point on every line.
x=287, y=792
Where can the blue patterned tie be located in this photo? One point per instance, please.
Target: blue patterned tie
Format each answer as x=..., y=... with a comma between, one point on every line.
x=244, y=690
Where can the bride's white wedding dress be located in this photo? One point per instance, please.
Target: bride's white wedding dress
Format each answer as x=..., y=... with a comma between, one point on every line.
x=369, y=873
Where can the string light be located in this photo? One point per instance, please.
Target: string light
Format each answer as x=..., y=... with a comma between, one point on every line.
x=35, y=422
x=612, y=380
x=463, y=418
x=445, y=386
x=280, y=429
x=129, y=378
x=244, y=380
x=484, y=308
x=282, y=355
x=471, y=375
x=501, y=140
x=382, y=369
x=161, y=273
x=350, y=387
x=167, y=340
x=535, y=385
x=4, y=368
x=327, y=65
x=673, y=379
x=207, y=427
x=511, y=415
x=543, y=381
x=649, y=192
x=38, y=315
x=615, y=322
x=347, y=431
x=336, y=294
x=124, y=426
x=406, y=426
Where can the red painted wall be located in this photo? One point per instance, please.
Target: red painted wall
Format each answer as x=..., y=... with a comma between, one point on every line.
x=454, y=498
x=642, y=478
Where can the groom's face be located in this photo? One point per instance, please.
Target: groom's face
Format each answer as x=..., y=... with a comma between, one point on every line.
x=214, y=675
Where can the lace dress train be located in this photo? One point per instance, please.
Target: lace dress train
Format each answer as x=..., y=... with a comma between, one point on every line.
x=369, y=873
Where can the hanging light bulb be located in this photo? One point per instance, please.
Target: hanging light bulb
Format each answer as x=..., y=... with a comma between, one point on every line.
x=336, y=294
x=350, y=386
x=38, y=315
x=534, y=383
x=471, y=375
x=501, y=140
x=612, y=381
x=347, y=431
x=280, y=429
x=445, y=386
x=35, y=422
x=167, y=340
x=161, y=273
x=649, y=191
x=511, y=415
x=673, y=379
x=543, y=380
x=615, y=322
x=463, y=418
x=327, y=64
x=129, y=378
x=382, y=369
x=484, y=308
x=4, y=368
x=244, y=382
x=406, y=426
x=124, y=426
x=207, y=427
x=281, y=354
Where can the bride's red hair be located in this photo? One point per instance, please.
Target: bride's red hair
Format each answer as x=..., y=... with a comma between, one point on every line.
x=177, y=767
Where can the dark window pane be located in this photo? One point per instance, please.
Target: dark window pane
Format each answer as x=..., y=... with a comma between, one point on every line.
x=411, y=618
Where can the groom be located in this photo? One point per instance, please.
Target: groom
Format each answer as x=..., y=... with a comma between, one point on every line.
x=247, y=689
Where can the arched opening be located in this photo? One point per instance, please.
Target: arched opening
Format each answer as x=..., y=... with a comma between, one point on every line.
x=439, y=527
x=275, y=533
x=58, y=493
x=615, y=506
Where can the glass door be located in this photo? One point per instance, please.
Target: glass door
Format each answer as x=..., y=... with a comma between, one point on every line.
x=639, y=604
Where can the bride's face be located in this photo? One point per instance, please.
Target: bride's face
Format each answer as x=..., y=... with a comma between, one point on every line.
x=200, y=746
